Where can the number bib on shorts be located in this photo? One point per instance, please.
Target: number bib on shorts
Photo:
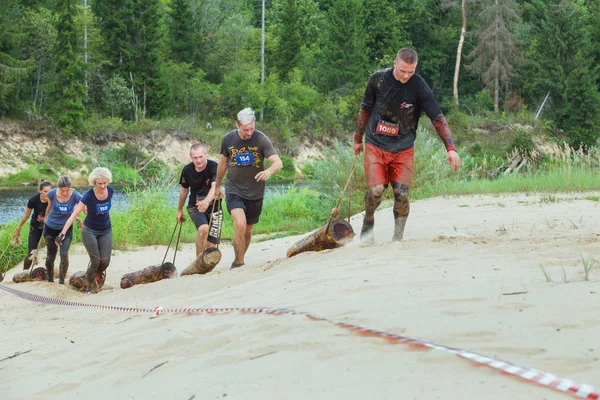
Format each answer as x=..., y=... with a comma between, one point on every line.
x=387, y=128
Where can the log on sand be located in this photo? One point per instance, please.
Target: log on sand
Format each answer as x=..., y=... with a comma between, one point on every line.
x=204, y=263
x=36, y=274
x=333, y=235
x=153, y=273
x=79, y=281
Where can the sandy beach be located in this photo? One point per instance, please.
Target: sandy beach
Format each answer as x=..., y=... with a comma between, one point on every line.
x=468, y=275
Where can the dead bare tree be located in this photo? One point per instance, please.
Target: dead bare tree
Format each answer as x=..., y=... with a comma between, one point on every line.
x=496, y=52
x=463, y=32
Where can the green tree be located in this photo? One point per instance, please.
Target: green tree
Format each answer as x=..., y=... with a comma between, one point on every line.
x=344, y=62
x=236, y=48
x=70, y=90
x=294, y=28
x=12, y=68
x=39, y=43
x=384, y=25
x=133, y=33
x=209, y=17
x=560, y=61
x=181, y=32
x=433, y=33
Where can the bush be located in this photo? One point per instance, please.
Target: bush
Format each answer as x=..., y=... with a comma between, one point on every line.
x=522, y=142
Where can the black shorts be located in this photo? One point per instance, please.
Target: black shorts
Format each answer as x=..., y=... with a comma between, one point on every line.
x=252, y=208
x=203, y=218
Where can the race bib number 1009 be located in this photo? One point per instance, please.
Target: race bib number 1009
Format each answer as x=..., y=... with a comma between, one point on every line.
x=387, y=129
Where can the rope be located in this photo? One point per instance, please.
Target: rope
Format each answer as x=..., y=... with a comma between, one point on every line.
x=171, y=241
x=548, y=380
x=343, y=191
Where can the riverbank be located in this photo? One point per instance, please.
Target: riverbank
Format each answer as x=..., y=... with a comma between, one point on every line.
x=28, y=155
x=467, y=275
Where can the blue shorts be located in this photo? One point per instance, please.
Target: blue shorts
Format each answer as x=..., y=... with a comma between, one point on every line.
x=252, y=208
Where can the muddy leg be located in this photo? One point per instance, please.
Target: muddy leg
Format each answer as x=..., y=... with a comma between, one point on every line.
x=372, y=201
x=401, y=210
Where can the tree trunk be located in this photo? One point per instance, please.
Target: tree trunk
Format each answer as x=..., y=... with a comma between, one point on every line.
x=496, y=84
x=335, y=234
x=204, y=263
x=150, y=274
x=463, y=31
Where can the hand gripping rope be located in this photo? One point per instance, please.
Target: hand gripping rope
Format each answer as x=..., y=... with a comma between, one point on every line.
x=532, y=375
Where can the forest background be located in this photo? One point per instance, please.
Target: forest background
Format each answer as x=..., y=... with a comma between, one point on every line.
x=518, y=81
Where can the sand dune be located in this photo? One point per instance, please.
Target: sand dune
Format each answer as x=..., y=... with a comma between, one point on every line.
x=468, y=275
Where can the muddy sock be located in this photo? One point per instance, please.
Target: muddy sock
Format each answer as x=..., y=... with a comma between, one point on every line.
x=399, y=224
x=366, y=232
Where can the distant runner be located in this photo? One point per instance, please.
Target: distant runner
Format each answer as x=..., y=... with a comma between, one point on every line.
x=36, y=207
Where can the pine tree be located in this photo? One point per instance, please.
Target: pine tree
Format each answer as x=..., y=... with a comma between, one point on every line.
x=133, y=40
x=345, y=53
x=496, y=53
x=181, y=33
x=294, y=29
x=70, y=90
x=561, y=60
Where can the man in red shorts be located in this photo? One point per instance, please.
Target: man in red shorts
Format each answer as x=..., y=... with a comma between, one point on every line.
x=388, y=120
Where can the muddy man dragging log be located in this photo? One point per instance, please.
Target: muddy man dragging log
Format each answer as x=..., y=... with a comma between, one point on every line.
x=388, y=119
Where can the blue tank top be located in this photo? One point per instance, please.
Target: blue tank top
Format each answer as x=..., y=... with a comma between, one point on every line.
x=60, y=212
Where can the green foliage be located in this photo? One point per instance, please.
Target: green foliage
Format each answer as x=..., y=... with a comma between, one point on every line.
x=345, y=48
x=561, y=60
x=522, y=142
x=295, y=29
x=70, y=90
x=117, y=97
x=31, y=175
x=148, y=220
x=56, y=156
x=200, y=61
x=181, y=37
x=292, y=211
x=12, y=255
x=286, y=174
x=328, y=176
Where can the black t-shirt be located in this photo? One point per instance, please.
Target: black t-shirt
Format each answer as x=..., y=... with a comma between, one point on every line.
x=38, y=208
x=398, y=104
x=199, y=183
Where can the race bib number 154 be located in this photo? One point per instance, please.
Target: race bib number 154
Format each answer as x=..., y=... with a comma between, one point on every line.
x=244, y=158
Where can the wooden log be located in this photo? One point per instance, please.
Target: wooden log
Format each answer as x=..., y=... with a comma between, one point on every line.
x=335, y=234
x=153, y=273
x=79, y=281
x=204, y=263
x=36, y=274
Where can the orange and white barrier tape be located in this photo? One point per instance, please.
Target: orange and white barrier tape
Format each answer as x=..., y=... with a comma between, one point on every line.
x=542, y=378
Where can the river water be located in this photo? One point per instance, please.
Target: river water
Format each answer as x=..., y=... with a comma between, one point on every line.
x=13, y=200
